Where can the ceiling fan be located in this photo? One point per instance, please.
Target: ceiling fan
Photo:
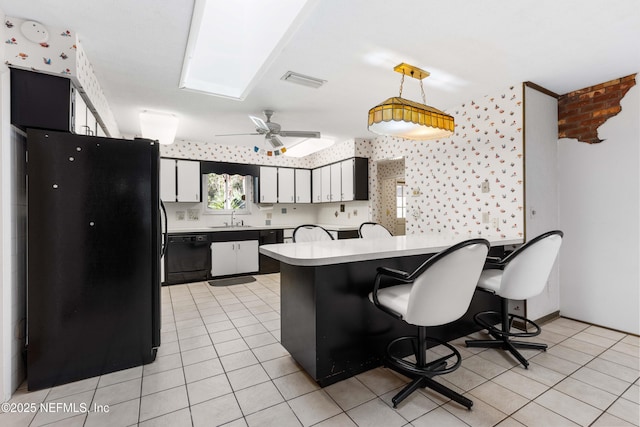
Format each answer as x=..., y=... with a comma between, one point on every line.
x=272, y=130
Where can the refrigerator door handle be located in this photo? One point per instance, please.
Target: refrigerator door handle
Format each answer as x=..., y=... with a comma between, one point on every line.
x=165, y=231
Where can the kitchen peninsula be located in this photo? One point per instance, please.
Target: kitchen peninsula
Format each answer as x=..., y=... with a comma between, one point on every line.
x=328, y=324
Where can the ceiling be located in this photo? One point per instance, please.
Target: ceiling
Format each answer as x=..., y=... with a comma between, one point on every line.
x=471, y=48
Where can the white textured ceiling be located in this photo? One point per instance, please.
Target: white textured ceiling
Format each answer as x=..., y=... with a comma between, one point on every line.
x=471, y=48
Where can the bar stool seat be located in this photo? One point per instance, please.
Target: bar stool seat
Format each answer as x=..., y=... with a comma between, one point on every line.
x=436, y=293
x=521, y=275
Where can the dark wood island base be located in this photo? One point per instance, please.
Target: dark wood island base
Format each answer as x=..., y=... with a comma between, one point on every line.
x=330, y=327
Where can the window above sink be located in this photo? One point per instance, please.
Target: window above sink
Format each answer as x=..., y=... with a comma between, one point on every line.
x=227, y=194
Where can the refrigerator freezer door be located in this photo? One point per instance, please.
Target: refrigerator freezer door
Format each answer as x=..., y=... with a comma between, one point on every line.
x=93, y=256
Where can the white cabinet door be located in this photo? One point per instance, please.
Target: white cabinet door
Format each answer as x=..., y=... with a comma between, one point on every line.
x=303, y=186
x=247, y=256
x=268, y=184
x=347, y=172
x=91, y=123
x=223, y=258
x=80, y=115
x=167, y=180
x=188, y=181
x=326, y=183
x=286, y=185
x=336, y=187
x=316, y=185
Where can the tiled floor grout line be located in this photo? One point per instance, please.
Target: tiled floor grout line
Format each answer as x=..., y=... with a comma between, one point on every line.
x=223, y=369
x=185, y=299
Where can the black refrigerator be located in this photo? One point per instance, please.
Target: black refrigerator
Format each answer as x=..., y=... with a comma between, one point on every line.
x=93, y=256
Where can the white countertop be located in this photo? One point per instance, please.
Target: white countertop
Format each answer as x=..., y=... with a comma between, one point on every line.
x=352, y=250
x=214, y=229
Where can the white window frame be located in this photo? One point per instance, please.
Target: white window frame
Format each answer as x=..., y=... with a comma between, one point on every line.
x=248, y=186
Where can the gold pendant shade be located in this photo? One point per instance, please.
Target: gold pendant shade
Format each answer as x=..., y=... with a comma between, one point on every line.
x=408, y=119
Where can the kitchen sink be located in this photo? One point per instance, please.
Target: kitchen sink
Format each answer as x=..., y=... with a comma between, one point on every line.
x=231, y=227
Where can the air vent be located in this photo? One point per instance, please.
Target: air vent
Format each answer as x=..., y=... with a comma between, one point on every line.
x=303, y=80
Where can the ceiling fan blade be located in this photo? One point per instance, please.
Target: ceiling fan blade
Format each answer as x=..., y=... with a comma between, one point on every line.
x=260, y=124
x=299, y=134
x=238, y=134
x=275, y=141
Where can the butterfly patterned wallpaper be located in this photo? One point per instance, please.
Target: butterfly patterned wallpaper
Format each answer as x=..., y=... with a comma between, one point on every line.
x=444, y=177
x=243, y=154
x=61, y=55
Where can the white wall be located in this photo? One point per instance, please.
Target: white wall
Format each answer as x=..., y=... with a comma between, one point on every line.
x=599, y=188
x=5, y=239
x=541, y=186
x=13, y=248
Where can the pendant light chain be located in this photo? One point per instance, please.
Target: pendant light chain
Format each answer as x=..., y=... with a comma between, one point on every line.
x=401, y=83
x=424, y=98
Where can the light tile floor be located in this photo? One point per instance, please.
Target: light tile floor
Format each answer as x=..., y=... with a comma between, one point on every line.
x=221, y=363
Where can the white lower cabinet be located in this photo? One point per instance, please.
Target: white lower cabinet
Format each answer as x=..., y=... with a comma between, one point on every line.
x=234, y=257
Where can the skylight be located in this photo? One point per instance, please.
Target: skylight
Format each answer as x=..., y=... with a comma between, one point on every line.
x=308, y=146
x=231, y=43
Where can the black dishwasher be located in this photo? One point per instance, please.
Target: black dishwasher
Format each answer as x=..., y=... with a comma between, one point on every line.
x=187, y=258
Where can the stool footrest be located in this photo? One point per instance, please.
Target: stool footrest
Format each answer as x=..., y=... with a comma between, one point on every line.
x=423, y=371
x=503, y=336
x=487, y=319
x=432, y=368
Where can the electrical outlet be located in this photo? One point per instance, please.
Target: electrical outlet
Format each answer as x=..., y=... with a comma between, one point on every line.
x=485, y=217
x=494, y=222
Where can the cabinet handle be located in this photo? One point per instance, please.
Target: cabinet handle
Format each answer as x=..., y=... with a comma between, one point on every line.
x=233, y=246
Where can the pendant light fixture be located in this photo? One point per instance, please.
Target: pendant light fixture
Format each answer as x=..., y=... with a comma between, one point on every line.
x=408, y=119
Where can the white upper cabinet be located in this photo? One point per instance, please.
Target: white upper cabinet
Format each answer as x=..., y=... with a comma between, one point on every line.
x=325, y=186
x=268, y=184
x=80, y=115
x=286, y=185
x=336, y=185
x=316, y=185
x=180, y=180
x=189, y=181
x=167, y=180
x=347, y=168
x=303, y=186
